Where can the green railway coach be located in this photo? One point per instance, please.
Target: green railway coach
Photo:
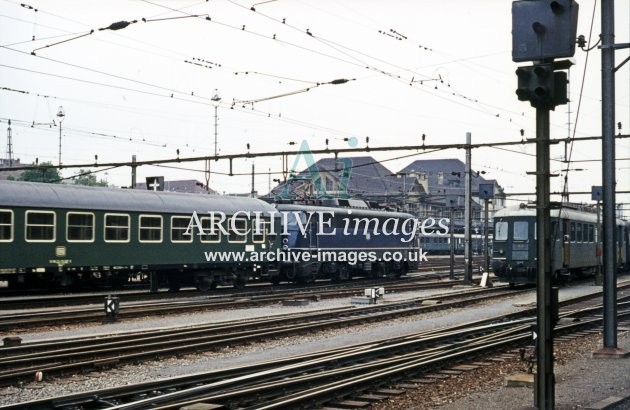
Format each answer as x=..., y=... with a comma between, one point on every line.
x=58, y=235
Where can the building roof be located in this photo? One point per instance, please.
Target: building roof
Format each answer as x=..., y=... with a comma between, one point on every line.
x=450, y=184
x=185, y=185
x=365, y=177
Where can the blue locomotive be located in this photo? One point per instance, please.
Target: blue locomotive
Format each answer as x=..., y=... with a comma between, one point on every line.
x=574, y=244
x=338, y=242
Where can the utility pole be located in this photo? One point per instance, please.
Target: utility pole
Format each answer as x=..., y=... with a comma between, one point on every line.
x=133, y=172
x=467, y=215
x=9, y=146
x=608, y=181
x=452, y=203
x=62, y=115
x=216, y=100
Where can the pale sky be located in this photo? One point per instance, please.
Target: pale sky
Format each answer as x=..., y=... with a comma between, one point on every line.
x=116, y=86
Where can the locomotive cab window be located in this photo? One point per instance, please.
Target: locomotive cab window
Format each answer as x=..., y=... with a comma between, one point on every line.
x=237, y=230
x=179, y=225
x=6, y=225
x=150, y=228
x=116, y=228
x=521, y=230
x=40, y=226
x=501, y=231
x=79, y=227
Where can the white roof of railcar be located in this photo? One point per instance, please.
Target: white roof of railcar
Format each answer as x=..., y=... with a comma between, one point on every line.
x=41, y=195
x=566, y=213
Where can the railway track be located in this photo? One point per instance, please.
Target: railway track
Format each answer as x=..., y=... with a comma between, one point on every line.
x=87, y=353
x=329, y=377
x=20, y=319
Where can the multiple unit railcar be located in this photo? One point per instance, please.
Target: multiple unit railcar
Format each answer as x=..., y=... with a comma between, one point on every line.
x=574, y=245
x=67, y=235
x=346, y=242
x=436, y=244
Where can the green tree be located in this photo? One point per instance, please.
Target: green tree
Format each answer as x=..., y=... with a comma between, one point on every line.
x=44, y=172
x=85, y=177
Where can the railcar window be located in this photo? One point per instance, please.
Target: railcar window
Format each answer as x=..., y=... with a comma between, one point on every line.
x=116, y=228
x=211, y=236
x=501, y=231
x=259, y=230
x=179, y=225
x=238, y=231
x=521, y=230
x=578, y=232
x=150, y=228
x=6, y=226
x=573, y=235
x=40, y=226
x=591, y=233
x=79, y=227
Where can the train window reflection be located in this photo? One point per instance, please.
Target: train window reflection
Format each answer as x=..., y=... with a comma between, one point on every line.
x=116, y=228
x=150, y=228
x=79, y=227
x=6, y=226
x=40, y=226
x=521, y=230
x=501, y=231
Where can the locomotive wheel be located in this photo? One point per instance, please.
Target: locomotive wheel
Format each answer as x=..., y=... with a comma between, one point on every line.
x=289, y=273
x=204, y=283
x=343, y=273
x=239, y=283
x=174, y=284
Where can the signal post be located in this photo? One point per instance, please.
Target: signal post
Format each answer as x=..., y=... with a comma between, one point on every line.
x=541, y=31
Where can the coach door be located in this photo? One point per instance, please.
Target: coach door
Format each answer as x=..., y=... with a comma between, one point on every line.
x=567, y=236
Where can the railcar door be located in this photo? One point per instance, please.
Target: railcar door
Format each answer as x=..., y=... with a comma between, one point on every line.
x=566, y=242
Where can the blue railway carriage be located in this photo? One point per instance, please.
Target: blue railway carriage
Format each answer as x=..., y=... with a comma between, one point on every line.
x=575, y=251
x=345, y=242
x=54, y=235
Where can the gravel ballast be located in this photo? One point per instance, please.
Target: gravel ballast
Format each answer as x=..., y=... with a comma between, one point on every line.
x=236, y=355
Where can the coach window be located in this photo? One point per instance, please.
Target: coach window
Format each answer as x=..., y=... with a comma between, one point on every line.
x=578, y=232
x=591, y=233
x=6, y=226
x=501, y=231
x=521, y=230
x=179, y=226
x=210, y=236
x=259, y=230
x=116, y=228
x=238, y=230
x=150, y=228
x=40, y=226
x=79, y=227
x=573, y=235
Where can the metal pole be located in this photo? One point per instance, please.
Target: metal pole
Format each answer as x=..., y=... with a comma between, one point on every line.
x=608, y=172
x=133, y=172
x=485, y=234
x=598, y=248
x=544, y=376
x=451, y=230
x=467, y=216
